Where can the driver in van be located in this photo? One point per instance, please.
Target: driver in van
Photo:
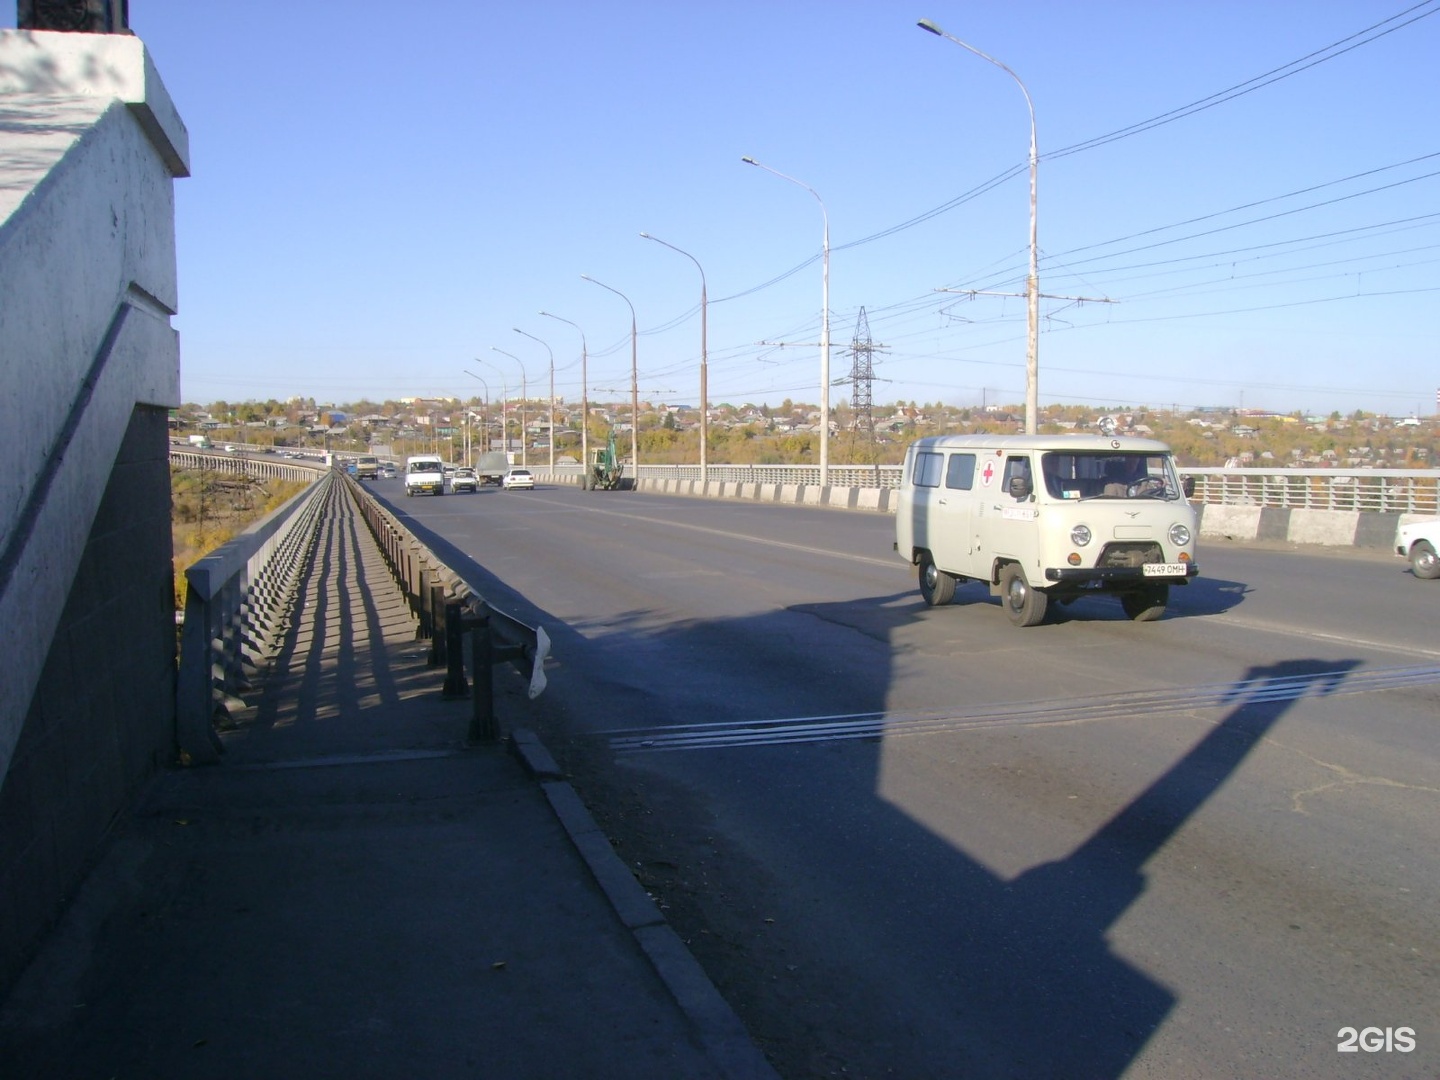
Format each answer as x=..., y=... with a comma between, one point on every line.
x=1118, y=476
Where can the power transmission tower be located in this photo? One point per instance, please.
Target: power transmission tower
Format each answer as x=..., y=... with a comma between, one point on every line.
x=862, y=381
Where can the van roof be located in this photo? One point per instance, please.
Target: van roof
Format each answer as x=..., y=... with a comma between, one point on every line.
x=1095, y=443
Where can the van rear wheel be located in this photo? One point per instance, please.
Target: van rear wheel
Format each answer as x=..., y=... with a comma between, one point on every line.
x=1023, y=605
x=936, y=586
x=1147, y=604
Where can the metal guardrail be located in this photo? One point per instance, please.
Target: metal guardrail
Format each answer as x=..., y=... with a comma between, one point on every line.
x=238, y=600
x=446, y=606
x=1382, y=491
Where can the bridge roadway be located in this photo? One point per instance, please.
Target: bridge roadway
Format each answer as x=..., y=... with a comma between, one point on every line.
x=920, y=842
x=355, y=892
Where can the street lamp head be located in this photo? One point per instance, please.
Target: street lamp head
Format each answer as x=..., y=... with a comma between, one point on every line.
x=926, y=24
x=749, y=161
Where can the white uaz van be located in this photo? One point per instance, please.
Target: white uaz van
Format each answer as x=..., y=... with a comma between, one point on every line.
x=1046, y=519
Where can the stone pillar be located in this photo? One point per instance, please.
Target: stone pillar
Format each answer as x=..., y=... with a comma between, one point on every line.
x=74, y=16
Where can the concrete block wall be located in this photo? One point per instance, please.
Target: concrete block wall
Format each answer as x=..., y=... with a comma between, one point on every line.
x=90, y=146
x=1328, y=528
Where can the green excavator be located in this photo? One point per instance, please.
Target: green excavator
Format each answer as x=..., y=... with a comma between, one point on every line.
x=602, y=471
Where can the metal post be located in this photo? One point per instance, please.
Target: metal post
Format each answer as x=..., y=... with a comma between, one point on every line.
x=1032, y=280
x=704, y=390
x=824, y=322
x=455, y=686
x=634, y=387
x=584, y=398
x=483, y=725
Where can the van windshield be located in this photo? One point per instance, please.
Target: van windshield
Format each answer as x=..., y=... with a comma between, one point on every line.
x=1109, y=475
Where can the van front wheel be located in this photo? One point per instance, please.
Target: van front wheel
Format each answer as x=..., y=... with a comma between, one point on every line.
x=1147, y=605
x=1023, y=605
x=936, y=586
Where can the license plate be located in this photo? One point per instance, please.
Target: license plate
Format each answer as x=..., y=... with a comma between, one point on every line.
x=1163, y=569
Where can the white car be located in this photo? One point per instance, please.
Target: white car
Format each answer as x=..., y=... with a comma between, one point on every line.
x=465, y=480
x=1419, y=541
x=516, y=479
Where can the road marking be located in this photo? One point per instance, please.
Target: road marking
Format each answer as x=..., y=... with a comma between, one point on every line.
x=874, y=725
x=807, y=549
x=1317, y=635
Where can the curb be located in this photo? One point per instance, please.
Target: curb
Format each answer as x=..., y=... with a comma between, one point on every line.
x=710, y=1016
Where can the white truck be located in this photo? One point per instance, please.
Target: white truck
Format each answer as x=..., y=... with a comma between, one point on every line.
x=492, y=465
x=1043, y=519
x=424, y=474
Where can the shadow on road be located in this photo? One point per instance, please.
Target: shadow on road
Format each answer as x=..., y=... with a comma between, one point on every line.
x=849, y=935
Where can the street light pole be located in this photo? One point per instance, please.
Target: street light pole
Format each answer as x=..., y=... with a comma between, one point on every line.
x=1032, y=282
x=824, y=323
x=584, y=395
x=551, y=351
x=704, y=394
x=485, y=412
x=524, y=392
x=504, y=405
x=634, y=382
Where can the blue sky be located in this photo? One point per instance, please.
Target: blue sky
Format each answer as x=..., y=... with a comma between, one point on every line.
x=378, y=199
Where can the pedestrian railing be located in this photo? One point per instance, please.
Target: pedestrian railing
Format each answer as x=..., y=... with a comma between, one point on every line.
x=1382, y=491
x=446, y=607
x=238, y=603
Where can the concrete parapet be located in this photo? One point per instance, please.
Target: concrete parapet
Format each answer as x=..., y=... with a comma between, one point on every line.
x=1329, y=527
x=90, y=144
x=1229, y=522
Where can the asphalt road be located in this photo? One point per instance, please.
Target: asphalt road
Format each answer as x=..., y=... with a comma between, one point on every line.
x=921, y=842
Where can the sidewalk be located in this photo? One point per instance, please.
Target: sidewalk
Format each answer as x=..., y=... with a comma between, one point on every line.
x=354, y=892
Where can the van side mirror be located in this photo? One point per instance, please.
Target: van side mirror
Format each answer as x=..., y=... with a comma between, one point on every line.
x=1019, y=487
x=1187, y=485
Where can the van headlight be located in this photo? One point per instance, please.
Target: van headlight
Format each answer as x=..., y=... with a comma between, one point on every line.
x=1179, y=534
x=1080, y=535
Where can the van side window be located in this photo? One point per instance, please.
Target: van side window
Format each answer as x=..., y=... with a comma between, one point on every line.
x=960, y=472
x=927, y=469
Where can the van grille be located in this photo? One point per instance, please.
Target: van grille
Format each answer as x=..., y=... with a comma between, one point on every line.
x=1135, y=553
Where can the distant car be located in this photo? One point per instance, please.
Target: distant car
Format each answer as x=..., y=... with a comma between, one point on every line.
x=465, y=480
x=387, y=470
x=1419, y=541
x=231, y=448
x=518, y=478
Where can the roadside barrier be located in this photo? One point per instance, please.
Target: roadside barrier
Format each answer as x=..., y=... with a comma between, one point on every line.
x=1317, y=507
x=446, y=607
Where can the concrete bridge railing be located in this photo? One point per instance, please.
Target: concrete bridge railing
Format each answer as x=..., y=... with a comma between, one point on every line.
x=238, y=605
x=1354, y=508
